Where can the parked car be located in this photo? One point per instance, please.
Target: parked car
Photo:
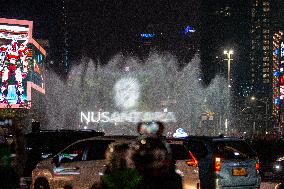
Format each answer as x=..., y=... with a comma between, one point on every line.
x=80, y=165
x=225, y=162
x=278, y=167
x=271, y=158
x=46, y=143
x=186, y=164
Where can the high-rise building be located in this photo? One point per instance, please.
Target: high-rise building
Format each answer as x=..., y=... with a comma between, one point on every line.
x=265, y=64
x=260, y=48
x=224, y=26
x=181, y=40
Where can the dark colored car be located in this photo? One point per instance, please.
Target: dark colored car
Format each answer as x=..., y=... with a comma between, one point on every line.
x=46, y=143
x=225, y=162
x=186, y=164
x=271, y=158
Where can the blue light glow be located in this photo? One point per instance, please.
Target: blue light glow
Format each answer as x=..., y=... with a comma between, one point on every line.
x=276, y=51
x=276, y=101
x=189, y=29
x=180, y=132
x=276, y=73
x=147, y=35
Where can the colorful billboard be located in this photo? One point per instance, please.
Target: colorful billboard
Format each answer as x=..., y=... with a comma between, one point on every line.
x=281, y=91
x=21, y=63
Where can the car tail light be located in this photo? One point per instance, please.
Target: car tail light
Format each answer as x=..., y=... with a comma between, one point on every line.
x=192, y=162
x=217, y=164
x=257, y=166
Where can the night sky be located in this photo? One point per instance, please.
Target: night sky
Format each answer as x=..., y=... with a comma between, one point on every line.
x=98, y=28
x=102, y=28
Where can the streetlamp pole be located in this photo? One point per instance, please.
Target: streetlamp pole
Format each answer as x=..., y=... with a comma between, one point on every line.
x=228, y=53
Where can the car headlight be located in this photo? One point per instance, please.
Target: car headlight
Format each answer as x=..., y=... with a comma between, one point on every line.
x=180, y=172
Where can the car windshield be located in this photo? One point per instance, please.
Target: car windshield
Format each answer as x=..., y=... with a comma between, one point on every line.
x=233, y=150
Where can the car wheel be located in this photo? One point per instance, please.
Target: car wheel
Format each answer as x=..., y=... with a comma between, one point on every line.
x=41, y=184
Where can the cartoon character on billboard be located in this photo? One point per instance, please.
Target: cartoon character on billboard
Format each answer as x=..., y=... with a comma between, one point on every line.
x=13, y=63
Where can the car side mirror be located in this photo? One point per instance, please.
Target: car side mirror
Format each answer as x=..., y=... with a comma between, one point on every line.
x=55, y=161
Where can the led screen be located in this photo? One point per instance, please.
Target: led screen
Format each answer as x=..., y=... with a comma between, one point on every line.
x=281, y=92
x=281, y=79
x=21, y=63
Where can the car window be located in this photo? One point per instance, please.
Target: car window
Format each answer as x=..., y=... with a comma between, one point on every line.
x=97, y=149
x=179, y=152
x=233, y=150
x=197, y=148
x=73, y=153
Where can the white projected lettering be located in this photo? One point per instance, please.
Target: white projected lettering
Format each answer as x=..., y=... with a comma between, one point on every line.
x=131, y=117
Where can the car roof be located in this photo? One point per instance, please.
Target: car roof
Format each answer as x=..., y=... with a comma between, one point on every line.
x=63, y=131
x=213, y=138
x=114, y=137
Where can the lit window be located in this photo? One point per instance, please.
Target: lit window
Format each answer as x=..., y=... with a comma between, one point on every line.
x=265, y=3
x=265, y=64
x=265, y=75
x=266, y=81
x=266, y=37
x=266, y=9
x=265, y=47
x=265, y=31
x=266, y=58
x=265, y=70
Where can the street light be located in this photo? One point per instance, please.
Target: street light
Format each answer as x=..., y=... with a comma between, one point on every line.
x=229, y=53
x=253, y=98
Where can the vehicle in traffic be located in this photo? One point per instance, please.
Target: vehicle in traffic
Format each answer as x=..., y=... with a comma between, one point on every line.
x=271, y=156
x=46, y=143
x=186, y=164
x=225, y=162
x=80, y=165
x=278, y=167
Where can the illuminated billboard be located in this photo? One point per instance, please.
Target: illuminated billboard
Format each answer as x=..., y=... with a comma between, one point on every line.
x=281, y=91
x=21, y=63
x=281, y=79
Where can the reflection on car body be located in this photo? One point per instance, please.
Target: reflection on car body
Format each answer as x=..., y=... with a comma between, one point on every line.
x=80, y=165
x=83, y=163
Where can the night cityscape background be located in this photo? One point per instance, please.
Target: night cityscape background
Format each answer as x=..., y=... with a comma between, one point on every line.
x=101, y=29
x=209, y=70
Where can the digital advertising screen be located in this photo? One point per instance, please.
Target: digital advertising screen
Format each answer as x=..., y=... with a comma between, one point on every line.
x=281, y=91
x=281, y=79
x=21, y=63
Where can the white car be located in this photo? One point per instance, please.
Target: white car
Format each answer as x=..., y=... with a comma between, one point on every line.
x=80, y=165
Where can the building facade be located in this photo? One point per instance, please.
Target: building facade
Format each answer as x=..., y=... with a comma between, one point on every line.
x=22, y=67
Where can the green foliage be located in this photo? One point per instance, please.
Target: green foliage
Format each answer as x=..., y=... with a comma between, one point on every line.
x=122, y=179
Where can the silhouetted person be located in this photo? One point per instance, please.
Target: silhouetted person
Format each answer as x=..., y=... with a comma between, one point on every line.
x=8, y=177
x=153, y=159
x=120, y=172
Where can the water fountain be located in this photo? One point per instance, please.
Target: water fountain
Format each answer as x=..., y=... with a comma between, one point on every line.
x=112, y=97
